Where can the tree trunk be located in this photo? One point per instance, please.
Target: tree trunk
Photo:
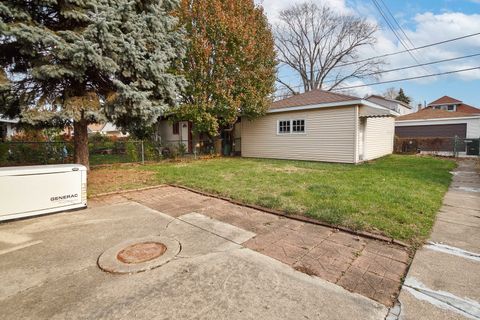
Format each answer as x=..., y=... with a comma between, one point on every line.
x=80, y=143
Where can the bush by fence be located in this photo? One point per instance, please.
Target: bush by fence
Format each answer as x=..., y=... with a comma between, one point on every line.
x=437, y=145
x=103, y=150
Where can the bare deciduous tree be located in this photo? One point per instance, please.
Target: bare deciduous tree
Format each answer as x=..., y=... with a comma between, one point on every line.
x=391, y=93
x=315, y=41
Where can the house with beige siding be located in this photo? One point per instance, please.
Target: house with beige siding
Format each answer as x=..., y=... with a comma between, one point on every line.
x=320, y=126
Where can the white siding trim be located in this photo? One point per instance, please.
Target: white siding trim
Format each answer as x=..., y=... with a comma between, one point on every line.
x=291, y=126
x=333, y=104
x=430, y=121
x=355, y=138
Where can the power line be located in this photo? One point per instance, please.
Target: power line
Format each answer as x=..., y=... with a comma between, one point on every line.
x=396, y=22
x=407, y=79
x=384, y=16
x=404, y=51
x=401, y=29
x=410, y=78
x=407, y=67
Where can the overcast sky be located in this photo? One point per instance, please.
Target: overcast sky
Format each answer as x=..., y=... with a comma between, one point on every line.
x=424, y=22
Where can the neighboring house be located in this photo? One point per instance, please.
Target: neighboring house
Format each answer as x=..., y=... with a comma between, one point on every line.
x=176, y=133
x=399, y=107
x=445, y=118
x=7, y=128
x=320, y=126
x=106, y=129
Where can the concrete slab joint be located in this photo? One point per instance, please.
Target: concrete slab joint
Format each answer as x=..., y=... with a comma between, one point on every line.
x=443, y=281
x=445, y=300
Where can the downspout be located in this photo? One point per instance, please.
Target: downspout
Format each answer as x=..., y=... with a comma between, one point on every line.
x=355, y=152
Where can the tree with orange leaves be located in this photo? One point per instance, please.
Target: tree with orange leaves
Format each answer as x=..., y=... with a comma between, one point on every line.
x=229, y=65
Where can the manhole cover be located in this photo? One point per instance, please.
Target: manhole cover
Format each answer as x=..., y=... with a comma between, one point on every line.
x=141, y=252
x=139, y=255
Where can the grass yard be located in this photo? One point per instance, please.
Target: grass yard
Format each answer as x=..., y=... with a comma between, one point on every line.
x=397, y=195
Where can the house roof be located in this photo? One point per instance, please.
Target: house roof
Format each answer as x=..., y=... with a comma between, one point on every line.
x=444, y=100
x=467, y=109
x=7, y=120
x=96, y=127
x=311, y=98
x=110, y=127
x=391, y=100
x=430, y=113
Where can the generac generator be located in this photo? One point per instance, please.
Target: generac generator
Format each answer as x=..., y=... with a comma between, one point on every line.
x=35, y=190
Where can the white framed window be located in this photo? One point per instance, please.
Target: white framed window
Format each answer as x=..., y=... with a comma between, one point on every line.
x=298, y=126
x=451, y=107
x=291, y=126
x=283, y=126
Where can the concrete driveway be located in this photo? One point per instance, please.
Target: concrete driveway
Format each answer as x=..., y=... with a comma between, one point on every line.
x=49, y=271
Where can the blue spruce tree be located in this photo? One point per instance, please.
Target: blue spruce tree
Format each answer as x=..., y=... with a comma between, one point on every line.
x=86, y=61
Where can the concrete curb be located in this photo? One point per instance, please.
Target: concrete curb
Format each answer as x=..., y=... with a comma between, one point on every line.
x=298, y=217
x=126, y=191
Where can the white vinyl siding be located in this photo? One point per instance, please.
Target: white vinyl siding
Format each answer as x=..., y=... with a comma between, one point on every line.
x=329, y=136
x=379, y=136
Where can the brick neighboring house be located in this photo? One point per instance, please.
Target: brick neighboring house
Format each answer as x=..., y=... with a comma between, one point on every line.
x=445, y=117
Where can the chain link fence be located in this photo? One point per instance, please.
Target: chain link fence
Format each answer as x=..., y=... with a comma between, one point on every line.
x=443, y=146
x=102, y=151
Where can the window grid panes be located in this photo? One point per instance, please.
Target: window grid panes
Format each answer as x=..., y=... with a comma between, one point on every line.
x=298, y=126
x=284, y=126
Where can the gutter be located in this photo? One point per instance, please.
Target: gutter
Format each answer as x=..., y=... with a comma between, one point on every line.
x=440, y=119
x=332, y=104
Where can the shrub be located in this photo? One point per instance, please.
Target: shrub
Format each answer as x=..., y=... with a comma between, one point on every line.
x=132, y=151
x=182, y=149
x=3, y=153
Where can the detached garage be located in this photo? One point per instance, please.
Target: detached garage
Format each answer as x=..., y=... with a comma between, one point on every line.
x=452, y=131
x=320, y=126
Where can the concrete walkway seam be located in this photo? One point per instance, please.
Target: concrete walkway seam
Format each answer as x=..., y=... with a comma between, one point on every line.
x=452, y=250
x=445, y=300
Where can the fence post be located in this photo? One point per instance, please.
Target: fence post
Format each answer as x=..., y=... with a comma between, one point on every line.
x=45, y=152
x=455, y=146
x=143, y=154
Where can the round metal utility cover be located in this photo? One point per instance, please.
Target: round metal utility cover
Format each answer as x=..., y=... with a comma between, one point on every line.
x=139, y=255
x=141, y=252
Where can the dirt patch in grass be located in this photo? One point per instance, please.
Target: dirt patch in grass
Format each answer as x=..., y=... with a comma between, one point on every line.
x=109, y=179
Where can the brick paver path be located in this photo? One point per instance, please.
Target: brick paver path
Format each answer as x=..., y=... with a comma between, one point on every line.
x=365, y=266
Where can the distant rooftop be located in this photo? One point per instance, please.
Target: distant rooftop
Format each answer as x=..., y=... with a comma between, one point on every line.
x=311, y=98
x=391, y=100
x=430, y=113
x=444, y=100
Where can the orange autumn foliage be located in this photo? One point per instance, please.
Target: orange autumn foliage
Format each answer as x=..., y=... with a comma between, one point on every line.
x=230, y=63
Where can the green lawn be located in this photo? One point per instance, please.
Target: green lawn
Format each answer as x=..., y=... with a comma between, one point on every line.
x=396, y=195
